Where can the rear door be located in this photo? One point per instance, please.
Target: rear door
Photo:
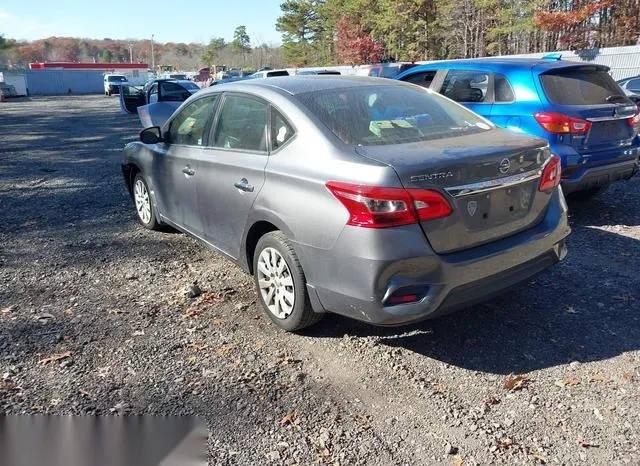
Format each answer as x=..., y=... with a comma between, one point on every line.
x=231, y=172
x=589, y=93
x=471, y=88
x=176, y=165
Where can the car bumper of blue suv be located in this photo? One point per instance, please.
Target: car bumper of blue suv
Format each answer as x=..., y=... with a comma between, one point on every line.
x=601, y=171
x=368, y=267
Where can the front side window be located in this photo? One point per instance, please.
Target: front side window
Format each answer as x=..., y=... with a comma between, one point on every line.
x=281, y=130
x=466, y=86
x=424, y=78
x=242, y=124
x=379, y=115
x=190, y=125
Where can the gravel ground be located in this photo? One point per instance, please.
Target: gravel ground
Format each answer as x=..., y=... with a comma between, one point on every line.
x=94, y=320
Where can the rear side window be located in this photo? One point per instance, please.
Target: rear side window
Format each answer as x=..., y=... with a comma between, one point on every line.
x=634, y=85
x=502, y=89
x=173, y=92
x=424, y=79
x=466, y=86
x=581, y=86
x=281, y=130
x=242, y=124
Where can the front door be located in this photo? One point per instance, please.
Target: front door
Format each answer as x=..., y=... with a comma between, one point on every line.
x=231, y=173
x=176, y=164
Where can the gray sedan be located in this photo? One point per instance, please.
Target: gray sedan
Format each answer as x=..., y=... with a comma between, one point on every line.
x=374, y=199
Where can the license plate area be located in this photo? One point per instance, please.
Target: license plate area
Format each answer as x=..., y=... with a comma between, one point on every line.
x=496, y=207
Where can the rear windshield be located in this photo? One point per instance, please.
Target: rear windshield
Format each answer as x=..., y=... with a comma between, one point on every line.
x=579, y=86
x=190, y=85
x=380, y=115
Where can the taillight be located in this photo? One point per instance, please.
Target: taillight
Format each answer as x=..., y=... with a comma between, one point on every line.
x=634, y=120
x=551, y=174
x=557, y=123
x=376, y=207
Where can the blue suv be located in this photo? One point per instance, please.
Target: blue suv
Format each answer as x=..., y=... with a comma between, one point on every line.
x=586, y=117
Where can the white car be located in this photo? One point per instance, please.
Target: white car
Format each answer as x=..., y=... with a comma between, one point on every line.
x=112, y=83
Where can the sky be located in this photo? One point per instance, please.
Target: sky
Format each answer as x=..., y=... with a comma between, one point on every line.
x=168, y=21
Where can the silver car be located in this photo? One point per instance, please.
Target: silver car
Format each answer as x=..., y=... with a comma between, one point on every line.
x=375, y=199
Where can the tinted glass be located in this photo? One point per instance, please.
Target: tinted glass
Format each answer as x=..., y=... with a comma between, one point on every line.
x=242, y=124
x=377, y=115
x=581, y=86
x=273, y=74
x=502, y=89
x=466, y=86
x=190, y=86
x=281, y=130
x=190, y=125
x=173, y=92
x=634, y=85
x=423, y=79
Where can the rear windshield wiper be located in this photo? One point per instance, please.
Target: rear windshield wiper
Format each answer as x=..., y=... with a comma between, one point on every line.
x=617, y=99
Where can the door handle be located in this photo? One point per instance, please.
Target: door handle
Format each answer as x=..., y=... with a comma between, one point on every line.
x=243, y=185
x=188, y=171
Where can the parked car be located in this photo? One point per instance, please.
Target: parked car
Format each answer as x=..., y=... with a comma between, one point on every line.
x=630, y=84
x=269, y=74
x=380, y=201
x=383, y=70
x=589, y=122
x=156, y=101
x=633, y=97
x=113, y=82
x=318, y=72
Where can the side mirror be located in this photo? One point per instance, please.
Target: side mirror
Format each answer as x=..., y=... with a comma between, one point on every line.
x=151, y=135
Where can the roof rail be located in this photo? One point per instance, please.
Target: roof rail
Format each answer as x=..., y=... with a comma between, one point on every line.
x=553, y=56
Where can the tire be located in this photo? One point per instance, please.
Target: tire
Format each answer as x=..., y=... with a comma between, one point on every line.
x=144, y=206
x=289, y=283
x=586, y=194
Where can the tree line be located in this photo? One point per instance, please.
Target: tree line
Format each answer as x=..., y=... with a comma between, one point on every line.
x=320, y=32
x=328, y=32
x=181, y=56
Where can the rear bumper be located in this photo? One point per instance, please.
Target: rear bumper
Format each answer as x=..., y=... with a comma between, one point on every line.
x=585, y=177
x=359, y=278
x=593, y=170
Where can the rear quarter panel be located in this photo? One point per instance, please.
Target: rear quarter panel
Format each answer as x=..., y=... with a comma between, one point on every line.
x=294, y=197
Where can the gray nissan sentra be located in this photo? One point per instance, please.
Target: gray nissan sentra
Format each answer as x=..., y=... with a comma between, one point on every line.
x=375, y=199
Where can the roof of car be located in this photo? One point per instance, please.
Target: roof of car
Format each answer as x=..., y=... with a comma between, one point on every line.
x=309, y=83
x=542, y=64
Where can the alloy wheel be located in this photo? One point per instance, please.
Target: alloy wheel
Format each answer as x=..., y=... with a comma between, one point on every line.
x=276, y=283
x=143, y=203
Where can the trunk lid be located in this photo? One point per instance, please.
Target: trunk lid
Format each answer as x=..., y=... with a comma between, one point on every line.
x=491, y=180
x=590, y=93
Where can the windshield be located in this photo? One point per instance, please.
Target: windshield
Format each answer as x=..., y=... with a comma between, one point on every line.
x=117, y=79
x=379, y=115
x=580, y=86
